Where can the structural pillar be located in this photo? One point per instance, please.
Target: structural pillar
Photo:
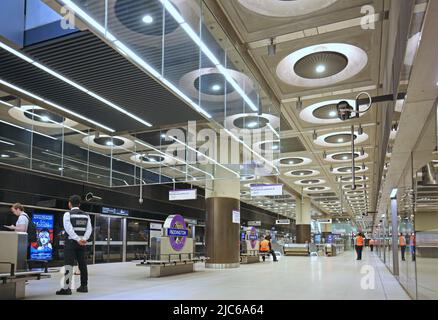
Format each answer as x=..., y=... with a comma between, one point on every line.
x=222, y=235
x=326, y=230
x=303, y=220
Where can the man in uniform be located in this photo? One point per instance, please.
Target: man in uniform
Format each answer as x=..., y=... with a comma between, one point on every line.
x=77, y=225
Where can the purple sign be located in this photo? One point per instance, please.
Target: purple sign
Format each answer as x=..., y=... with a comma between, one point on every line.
x=253, y=237
x=177, y=231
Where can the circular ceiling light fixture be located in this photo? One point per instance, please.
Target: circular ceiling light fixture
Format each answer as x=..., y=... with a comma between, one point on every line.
x=250, y=121
x=348, y=170
x=152, y=159
x=302, y=173
x=342, y=61
x=209, y=84
x=326, y=112
x=147, y=19
x=292, y=161
x=339, y=139
x=338, y=157
x=316, y=189
x=283, y=9
x=358, y=187
x=107, y=142
x=248, y=177
x=357, y=179
x=267, y=146
x=308, y=182
x=40, y=117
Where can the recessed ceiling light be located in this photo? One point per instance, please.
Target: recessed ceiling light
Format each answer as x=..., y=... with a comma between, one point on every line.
x=344, y=158
x=109, y=143
x=320, y=68
x=5, y=156
x=333, y=114
x=148, y=19
x=216, y=87
x=252, y=124
x=275, y=147
x=340, y=140
x=45, y=118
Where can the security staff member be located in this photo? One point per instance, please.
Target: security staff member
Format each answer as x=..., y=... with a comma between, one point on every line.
x=77, y=225
x=359, y=245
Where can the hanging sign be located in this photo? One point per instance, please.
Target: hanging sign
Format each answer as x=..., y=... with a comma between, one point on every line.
x=260, y=190
x=282, y=221
x=182, y=194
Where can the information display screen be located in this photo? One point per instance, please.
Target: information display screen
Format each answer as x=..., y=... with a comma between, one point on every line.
x=43, y=248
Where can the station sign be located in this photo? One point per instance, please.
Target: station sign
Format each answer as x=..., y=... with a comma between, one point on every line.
x=282, y=221
x=183, y=194
x=191, y=221
x=236, y=216
x=115, y=211
x=177, y=232
x=261, y=190
x=254, y=223
x=325, y=220
x=155, y=226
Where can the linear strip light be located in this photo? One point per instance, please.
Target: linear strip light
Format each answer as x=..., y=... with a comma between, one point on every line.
x=32, y=131
x=122, y=48
x=205, y=156
x=77, y=115
x=8, y=143
x=74, y=84
x=172, y=157
x=273, y=130
x=192, y=34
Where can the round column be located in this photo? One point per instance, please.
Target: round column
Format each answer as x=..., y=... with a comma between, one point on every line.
x=222, y=236
x=303, y=220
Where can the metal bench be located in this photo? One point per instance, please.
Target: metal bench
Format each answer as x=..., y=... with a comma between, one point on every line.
x=171, y=265
x=13, y=284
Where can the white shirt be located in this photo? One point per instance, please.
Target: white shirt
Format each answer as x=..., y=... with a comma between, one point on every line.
x=68, y=227
x=22, y=219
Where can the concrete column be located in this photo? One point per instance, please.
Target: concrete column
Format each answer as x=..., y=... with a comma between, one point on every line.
x=303, y=219
x=222, y=236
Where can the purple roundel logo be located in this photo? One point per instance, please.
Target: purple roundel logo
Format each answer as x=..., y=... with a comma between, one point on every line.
x=177, y=232
x=253, y=237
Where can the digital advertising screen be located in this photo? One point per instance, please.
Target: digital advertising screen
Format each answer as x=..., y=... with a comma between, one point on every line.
x=43, y=248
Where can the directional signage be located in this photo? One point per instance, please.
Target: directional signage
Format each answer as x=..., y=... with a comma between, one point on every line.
x=182, y=194
x=116, y=211
x=236, y=216
x=282, y=221
x=177, y=232
x=260, y=190
x=254, y=223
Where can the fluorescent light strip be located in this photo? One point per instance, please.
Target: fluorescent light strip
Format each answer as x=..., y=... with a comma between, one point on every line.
x=172, y=157
x=10, y=85
x=7, y=104
x=128, y=52
x=8, y=143
x=203, y=155
x=273, y=130
x=32, y=131
x=74, y=84
x=192, y=34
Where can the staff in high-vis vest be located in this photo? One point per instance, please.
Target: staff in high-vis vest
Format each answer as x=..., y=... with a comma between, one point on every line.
x=402, y=243
x=265, y=247
x=77, y=225
x=359, y=245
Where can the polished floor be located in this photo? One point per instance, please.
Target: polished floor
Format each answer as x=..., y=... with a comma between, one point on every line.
x=340, y=277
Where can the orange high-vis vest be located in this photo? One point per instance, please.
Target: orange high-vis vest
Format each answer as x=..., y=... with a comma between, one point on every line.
x=359, y=241
x=264, y=246
x=402, y=241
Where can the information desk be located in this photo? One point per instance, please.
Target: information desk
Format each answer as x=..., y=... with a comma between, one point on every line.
x=296, y=249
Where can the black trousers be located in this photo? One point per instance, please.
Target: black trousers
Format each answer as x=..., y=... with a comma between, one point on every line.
x=372, y=247
x=359, y=252
x=75, y=252
x=274, y=256
x=403, y=250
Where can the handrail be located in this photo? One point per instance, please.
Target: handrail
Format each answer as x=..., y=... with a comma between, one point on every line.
x=12, y=267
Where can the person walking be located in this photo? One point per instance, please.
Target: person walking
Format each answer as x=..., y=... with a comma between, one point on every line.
x=77, y=225
x=371, y=243
x=266, y=247
x=402, y=243
x=359, y=242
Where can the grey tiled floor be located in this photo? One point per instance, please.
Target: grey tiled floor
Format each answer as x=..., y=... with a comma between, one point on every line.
x=292, y=278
